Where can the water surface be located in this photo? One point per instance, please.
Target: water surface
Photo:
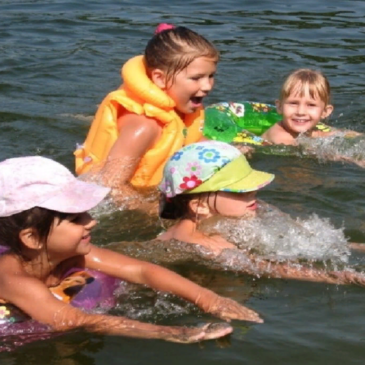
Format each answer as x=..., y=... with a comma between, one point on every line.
x=59, y=59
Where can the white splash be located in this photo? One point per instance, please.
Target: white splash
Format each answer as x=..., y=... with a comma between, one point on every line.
x=275, y=235
x=335, y=148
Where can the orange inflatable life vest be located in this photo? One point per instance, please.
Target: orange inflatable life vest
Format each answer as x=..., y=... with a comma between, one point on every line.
x=138, y=95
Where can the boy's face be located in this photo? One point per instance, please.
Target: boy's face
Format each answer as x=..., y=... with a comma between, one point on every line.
x=301, y=112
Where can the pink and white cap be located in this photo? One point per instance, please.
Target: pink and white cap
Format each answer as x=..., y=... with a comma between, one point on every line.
x=35, y=181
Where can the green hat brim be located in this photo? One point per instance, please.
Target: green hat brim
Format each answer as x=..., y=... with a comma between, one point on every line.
x=236, y=176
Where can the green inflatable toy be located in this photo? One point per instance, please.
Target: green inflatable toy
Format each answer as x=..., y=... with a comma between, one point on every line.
x=239, y=122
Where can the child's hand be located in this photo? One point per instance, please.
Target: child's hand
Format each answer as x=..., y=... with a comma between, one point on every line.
x=228, y=309
x=209, y=331
x=245, y=150
x=352, y=134
x=349, y=277
x=357, y=246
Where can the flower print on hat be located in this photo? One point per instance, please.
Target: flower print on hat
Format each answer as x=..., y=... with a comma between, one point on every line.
x=192, y=165
x=190, y=182
x=210, y=166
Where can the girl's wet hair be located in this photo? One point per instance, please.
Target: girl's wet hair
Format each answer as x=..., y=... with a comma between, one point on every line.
x=177, y=207
x=305, y=79
x=173, y=49
x=40, y=220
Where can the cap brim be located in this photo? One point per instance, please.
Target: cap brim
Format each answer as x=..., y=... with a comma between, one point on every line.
x=253, y=181
x=236, y=176
x=78, y=197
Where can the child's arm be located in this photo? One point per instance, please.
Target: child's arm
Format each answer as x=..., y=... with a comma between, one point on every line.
x=137, y=134
x=360, y=247
x=157, y=277
x=299, y=272
x=34, y=298
x=347, y=133
x=338, y=156
x=350, y=133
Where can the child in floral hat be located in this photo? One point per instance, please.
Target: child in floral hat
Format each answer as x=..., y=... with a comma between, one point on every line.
x=204, y=179
x=213, y=178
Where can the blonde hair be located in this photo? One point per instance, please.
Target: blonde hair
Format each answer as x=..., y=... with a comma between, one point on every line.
x=172, y=50
x=311, y=80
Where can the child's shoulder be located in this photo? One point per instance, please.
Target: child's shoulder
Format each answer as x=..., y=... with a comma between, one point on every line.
x=140, y=123
x=10, y=268
x=278, y=135
x=9, y=264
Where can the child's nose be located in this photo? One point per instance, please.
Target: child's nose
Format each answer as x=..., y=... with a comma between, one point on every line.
x=91, y=224
x=89, y=221
x=207, y=84
x=301, y=109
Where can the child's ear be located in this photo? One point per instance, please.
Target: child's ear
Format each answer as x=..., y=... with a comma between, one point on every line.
x=29, y=239
x=327, y=111
x=159, y=78
x=199, y=207
x=279, y=108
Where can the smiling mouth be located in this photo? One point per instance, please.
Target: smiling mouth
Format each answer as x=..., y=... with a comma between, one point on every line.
x=300, y=121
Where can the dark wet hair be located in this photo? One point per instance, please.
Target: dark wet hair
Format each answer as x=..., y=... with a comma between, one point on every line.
x=39, y=219
x=178, y=206
x=173, y=49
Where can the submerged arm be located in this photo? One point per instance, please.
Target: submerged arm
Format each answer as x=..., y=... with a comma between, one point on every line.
x=360, y=247
x=299, y=272
x=347, y=133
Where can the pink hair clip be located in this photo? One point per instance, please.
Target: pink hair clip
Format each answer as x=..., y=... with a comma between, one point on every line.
x=164, y=26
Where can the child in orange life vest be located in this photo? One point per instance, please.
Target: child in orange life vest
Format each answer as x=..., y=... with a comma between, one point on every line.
x=213, y=178
x=304, y=102
x=45, y=224
x=157, y=110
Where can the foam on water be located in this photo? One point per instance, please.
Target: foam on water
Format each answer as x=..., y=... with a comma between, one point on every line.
x=336, y=147
x=275, y=235
x=81, y=117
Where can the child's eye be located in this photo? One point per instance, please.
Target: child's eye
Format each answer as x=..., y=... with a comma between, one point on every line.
x=196, y=78
x=74, y=218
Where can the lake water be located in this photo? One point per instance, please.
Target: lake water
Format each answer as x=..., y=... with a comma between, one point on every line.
x=60, y=58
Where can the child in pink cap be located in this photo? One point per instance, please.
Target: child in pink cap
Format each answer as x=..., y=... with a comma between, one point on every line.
x=46, y=228
x=213, y=178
